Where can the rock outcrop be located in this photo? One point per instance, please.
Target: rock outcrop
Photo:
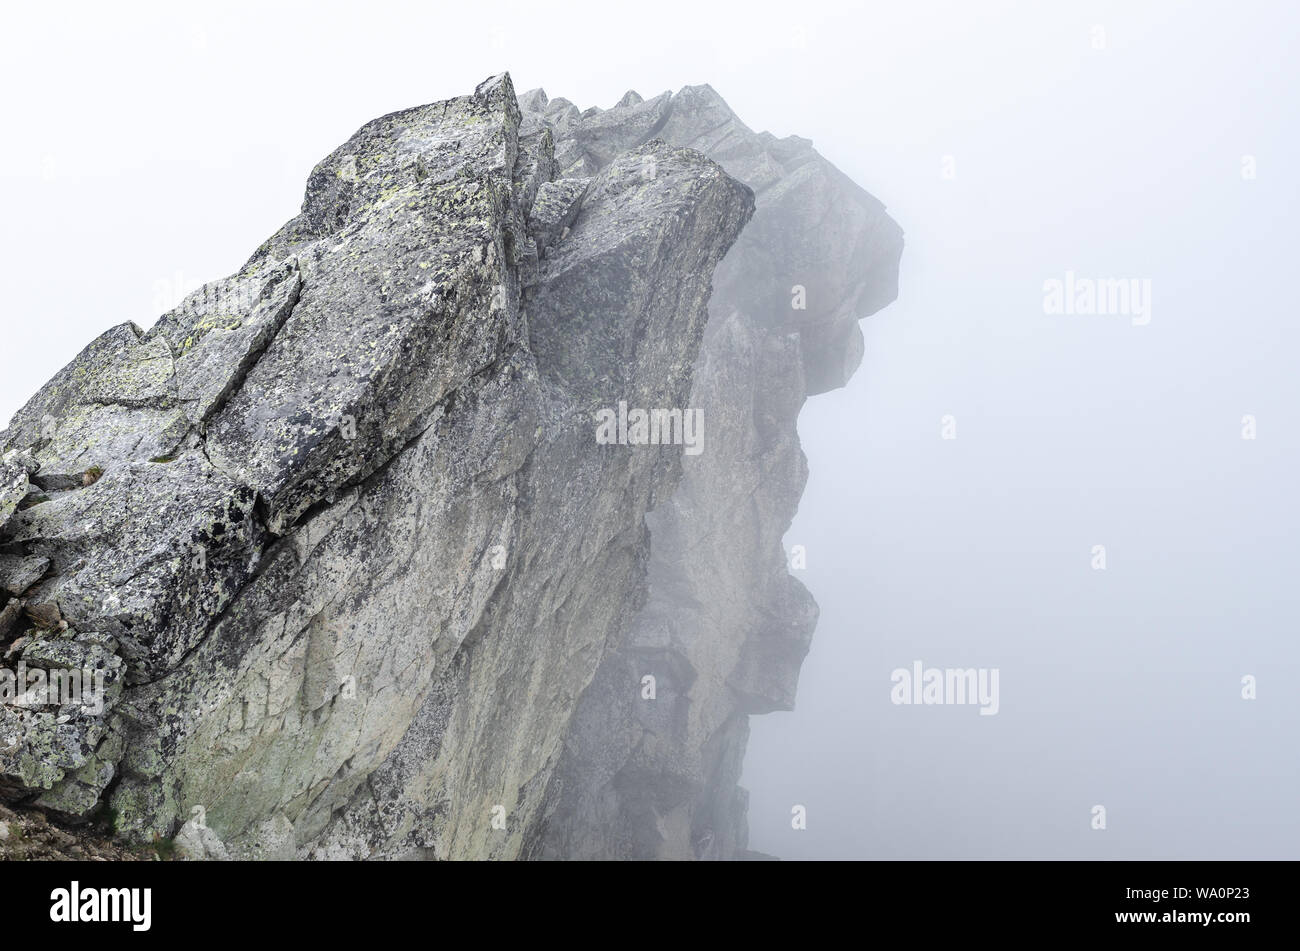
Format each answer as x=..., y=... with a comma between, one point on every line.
x=336, y=542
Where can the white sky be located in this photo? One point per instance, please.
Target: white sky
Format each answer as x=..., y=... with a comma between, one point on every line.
x=149, y=149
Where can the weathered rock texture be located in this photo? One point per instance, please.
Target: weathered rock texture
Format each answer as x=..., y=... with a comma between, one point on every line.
x=339, y=538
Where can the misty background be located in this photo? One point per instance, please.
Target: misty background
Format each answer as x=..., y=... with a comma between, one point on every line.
x=149, y=150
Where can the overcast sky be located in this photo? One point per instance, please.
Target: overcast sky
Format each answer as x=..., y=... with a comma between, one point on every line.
x=151, y=149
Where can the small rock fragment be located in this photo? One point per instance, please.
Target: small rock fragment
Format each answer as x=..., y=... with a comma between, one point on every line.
x=44, y=614
x=10, y=616
x=19, y=572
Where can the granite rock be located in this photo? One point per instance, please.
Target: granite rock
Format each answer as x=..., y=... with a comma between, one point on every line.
x=338, y=533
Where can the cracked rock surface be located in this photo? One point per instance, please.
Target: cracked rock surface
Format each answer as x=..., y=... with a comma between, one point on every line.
x=338, y=540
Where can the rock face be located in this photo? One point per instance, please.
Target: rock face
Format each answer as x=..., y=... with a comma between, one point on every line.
x=340, y=541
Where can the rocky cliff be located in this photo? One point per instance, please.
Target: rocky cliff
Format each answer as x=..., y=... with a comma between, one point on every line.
x=340, y=538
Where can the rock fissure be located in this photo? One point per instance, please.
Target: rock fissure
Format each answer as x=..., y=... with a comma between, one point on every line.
x=339, y=525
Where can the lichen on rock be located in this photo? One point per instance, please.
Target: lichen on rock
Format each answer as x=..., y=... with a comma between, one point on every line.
x=358, y=578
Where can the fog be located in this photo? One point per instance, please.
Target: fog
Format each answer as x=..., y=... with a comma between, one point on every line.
x=961, y=483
